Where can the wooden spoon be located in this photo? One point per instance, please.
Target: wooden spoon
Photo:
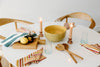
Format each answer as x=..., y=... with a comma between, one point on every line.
x=66, y=47
x=62, y=47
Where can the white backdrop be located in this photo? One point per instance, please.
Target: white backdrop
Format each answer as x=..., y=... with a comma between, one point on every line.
x=49, y=10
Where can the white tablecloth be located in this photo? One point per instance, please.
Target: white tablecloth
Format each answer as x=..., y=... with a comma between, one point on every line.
x=61, y=58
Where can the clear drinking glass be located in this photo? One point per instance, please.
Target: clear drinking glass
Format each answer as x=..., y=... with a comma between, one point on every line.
x=84, y=38
x=48, y=47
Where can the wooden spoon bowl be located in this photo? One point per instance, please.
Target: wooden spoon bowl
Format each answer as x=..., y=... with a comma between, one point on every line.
x=60, y=47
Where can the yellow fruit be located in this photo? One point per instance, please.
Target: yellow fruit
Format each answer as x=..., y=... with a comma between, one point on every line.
x=23, y=40
x=29, y=38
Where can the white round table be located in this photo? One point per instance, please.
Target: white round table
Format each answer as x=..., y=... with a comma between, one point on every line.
x=61, y=58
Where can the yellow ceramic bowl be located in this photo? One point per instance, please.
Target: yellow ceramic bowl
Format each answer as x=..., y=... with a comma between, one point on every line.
x=55, y=32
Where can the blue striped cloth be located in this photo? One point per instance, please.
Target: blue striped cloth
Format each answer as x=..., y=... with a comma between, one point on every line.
x=8, y=41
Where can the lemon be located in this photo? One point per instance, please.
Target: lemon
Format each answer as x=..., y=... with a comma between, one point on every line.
x=30, y=38
x=23, y=40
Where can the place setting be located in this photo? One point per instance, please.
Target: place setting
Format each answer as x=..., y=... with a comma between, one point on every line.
x=49, y=39
x=30, y=40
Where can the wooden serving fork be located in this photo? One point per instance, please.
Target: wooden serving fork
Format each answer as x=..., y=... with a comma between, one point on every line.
x=65, y=47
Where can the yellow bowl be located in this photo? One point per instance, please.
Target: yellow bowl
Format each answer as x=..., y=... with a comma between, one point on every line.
x=55, y=32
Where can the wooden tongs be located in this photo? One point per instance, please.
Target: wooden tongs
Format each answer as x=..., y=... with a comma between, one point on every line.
x=64, y=47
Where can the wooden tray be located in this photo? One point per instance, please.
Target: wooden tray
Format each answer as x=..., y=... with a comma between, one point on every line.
x=32, y=45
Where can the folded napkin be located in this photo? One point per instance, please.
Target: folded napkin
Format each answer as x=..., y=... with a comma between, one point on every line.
x=34, y=57
x=8, y=41
x=8, y=38
x=22, y=29
x=95, y=48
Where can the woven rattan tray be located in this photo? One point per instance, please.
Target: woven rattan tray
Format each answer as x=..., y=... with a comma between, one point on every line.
x=32, y=45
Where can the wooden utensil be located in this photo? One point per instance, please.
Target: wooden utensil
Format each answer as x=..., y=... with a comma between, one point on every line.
x=61, y=48
x=65, y=47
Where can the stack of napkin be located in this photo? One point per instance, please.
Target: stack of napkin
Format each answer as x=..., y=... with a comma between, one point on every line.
x=95, y=48
x=34, y=57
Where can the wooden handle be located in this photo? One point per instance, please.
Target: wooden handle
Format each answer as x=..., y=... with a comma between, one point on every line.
x=76, y=55
x=10, y=65
x=16, y=26
x=22, y=21
x=2, y=37
x=71, y=56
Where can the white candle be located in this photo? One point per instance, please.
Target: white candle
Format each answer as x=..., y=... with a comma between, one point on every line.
x=40, y=24
x=71, y=29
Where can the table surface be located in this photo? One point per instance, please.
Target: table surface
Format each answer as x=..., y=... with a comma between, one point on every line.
x=61, y=58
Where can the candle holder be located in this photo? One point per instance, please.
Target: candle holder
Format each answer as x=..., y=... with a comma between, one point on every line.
x=41, y=34
x=70, y=33
x=70, y=40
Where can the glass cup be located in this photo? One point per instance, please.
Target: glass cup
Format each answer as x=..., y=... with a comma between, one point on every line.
x=84, y=38
x=48, y=47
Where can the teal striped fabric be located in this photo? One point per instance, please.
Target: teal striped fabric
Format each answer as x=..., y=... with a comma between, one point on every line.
x=8, y=42
x=8, y=38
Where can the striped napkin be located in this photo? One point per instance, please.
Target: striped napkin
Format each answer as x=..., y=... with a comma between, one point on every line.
x=34, y=57
x=11, y=39
x=95, y=48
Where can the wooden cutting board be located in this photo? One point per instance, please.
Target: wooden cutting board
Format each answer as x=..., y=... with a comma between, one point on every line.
x=32, y=45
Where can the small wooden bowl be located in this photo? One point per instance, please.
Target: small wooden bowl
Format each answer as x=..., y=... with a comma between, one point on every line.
x=55, y=32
